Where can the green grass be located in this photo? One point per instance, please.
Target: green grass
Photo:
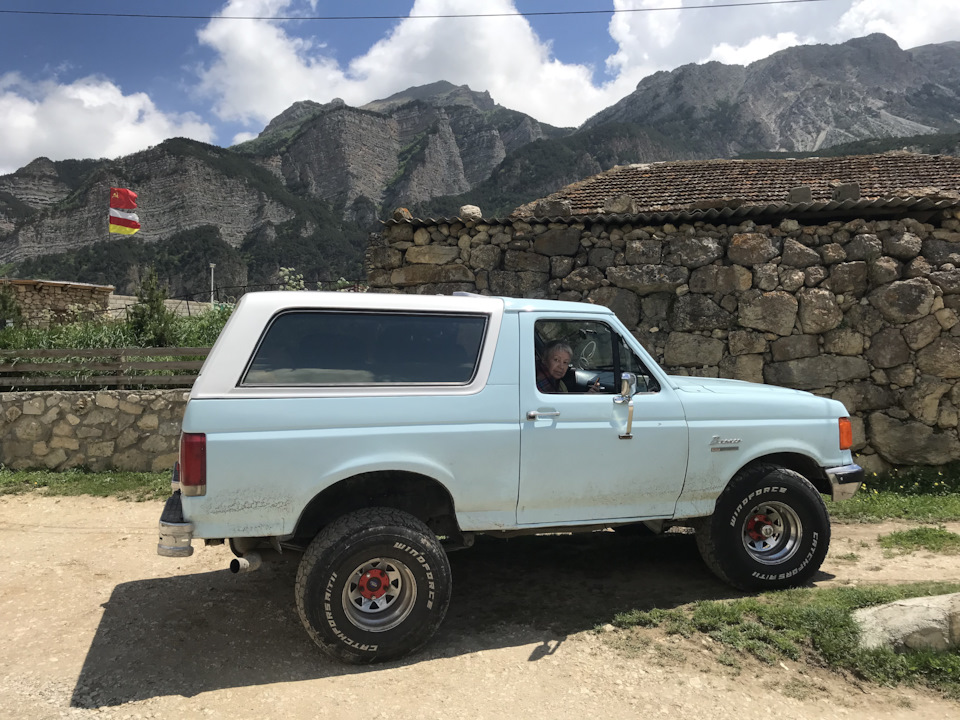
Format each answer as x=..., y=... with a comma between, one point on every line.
x=867, y=506
x=119, y=484
x=916, y=480
x=812, y=624
x=934, y=539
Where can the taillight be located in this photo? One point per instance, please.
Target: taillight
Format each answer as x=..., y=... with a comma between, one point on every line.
x=193, y=464
x=846, y=433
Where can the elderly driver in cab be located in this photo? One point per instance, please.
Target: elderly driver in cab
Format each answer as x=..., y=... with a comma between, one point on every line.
x=553, y=365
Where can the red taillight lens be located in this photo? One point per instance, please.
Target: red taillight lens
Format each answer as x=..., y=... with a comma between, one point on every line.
x=193, y=463
x=846, y=433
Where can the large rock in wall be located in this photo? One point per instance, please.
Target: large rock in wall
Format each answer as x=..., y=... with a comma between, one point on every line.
x=862, y=311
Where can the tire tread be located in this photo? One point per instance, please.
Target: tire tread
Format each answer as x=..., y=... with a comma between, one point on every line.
x=706, y=538
x=340, y=531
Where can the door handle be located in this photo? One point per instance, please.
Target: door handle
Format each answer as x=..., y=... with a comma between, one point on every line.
x=536, y=414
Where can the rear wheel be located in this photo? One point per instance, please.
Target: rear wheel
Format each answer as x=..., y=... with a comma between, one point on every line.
x=770, y=530
x=373, y=585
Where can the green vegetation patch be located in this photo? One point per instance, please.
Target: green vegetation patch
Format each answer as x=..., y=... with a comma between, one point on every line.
x=879, y=506
x=119, y=484
x=812, y=624
x=916, y=480
x=934, y=539
x=196, y=331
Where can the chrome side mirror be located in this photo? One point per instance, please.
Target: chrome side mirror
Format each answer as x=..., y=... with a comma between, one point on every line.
x=628, y=387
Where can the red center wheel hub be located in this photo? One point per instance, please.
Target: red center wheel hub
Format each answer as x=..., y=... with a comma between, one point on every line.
x=759, y=527
x=373, y=584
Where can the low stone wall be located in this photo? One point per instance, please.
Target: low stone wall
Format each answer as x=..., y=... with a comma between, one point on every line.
x=862, y=311
x=108, y=430
x=48, y=302
x=118, y=306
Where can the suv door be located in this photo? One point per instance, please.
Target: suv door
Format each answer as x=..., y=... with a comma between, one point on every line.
x=575, y=466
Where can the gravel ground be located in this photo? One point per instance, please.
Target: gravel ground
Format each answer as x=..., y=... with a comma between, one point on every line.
x=94, y=624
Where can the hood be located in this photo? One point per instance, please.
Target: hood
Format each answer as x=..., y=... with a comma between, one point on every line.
x=716, y=398
x=727, y=387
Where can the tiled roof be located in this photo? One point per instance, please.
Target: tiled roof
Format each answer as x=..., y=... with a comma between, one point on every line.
x=701, y=185
x=37, y=284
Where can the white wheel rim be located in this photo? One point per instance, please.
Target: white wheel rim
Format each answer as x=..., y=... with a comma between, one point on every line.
x=379, y=594
x=771, y=533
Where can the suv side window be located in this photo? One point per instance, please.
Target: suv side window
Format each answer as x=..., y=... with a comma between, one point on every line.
x=629, y=362
x=597, y=355
x=366, y=348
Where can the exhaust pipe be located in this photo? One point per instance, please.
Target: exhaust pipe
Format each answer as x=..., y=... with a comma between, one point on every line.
x=248, y=563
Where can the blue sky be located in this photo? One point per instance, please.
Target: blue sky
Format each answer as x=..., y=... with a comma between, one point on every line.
x=76, y=87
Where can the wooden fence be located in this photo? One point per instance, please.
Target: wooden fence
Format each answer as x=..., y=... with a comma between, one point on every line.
x=120, y=368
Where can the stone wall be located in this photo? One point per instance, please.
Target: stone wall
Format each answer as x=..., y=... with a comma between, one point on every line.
x=107, y=430
x=46, y=302
x=118, y=306
x=862, y=311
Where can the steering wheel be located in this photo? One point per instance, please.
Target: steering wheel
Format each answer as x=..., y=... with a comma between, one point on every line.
x=586, y=353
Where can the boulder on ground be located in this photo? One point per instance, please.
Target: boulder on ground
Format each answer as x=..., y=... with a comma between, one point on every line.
x=923, y=623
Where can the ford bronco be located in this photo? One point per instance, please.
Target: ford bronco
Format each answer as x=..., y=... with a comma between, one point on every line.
x=375, y=432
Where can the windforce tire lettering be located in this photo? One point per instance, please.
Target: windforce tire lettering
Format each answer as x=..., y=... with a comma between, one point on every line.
x=770, y=530
x=372, y=586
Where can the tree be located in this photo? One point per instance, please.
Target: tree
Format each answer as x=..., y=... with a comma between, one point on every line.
x=150, y=320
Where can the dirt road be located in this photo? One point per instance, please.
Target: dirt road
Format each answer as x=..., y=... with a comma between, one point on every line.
x=94, y=624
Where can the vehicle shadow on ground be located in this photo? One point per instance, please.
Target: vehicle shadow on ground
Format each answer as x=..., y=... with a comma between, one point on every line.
x=189, y=634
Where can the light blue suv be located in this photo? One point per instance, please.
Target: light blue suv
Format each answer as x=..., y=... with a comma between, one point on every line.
x=375, y=432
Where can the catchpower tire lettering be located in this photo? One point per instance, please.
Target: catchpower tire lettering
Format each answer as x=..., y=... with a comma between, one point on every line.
x=374, y=585
x=770, y=530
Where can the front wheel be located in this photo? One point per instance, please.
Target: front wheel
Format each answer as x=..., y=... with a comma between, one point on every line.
x=770, y=530
x=374, y=585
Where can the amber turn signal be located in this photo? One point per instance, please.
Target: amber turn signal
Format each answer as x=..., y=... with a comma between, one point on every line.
x=846, y=433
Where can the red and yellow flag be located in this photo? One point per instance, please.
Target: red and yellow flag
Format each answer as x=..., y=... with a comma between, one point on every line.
x=121, y=221
x=123, y=199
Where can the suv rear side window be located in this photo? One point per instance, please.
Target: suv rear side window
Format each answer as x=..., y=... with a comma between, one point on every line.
x=359, y=348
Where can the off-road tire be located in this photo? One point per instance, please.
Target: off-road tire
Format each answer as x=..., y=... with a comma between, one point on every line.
x=770, y=530
x=377, y=550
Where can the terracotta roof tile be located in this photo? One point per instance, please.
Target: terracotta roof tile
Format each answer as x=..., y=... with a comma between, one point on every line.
x=690, y=185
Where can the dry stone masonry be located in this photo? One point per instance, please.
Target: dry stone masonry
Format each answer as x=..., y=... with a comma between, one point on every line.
x=113, y=430
x=46, y=302
x=864, y=311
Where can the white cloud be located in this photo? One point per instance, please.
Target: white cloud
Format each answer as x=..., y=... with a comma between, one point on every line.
x=88, y=118
x=755, y=49
x=261, y=69
x=920, y=23
x=242, y=137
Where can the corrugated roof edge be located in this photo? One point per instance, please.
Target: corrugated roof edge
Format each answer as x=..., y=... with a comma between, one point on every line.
x=58, y=283
x=691, y=215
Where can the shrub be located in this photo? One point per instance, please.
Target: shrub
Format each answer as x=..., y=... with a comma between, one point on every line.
x=152, y=323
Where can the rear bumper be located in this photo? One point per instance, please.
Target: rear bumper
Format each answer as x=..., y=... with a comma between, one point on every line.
x=176, y=535
x=845, y=480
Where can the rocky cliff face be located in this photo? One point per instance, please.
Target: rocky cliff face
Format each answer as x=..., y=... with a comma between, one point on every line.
x=185, y=191
x=438, y=146
x=37, y=185
x=801, y=99
x=438, y=139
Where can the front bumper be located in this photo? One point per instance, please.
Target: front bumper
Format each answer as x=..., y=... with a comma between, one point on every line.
x=176, y=534
x=845, y=480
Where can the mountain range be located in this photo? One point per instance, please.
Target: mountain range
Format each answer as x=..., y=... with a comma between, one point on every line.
x=308, y=190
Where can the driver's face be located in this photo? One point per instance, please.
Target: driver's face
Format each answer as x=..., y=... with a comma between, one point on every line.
x=557, y=363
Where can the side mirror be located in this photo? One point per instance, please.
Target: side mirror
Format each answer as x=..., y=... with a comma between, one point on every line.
x=628, y=387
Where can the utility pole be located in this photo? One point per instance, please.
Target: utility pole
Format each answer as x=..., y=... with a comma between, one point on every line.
x=212, y=266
